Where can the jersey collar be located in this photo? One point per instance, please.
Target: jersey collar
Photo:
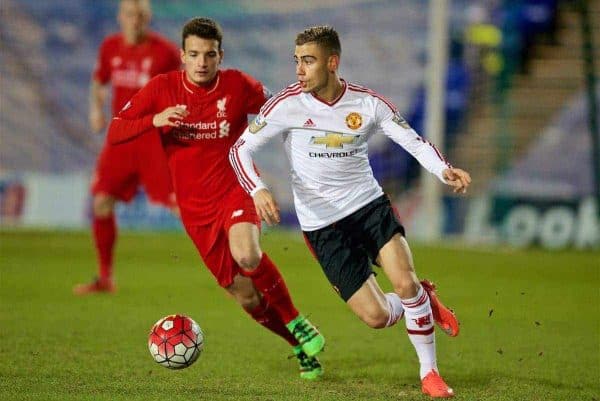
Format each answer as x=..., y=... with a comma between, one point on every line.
x=332, y=103
x=201, y=90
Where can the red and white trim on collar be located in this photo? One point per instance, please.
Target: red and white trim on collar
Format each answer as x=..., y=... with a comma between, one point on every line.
x=337, y=99
x=193, y=88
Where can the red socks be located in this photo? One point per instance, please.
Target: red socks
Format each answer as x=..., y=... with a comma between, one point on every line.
x=269, y=282
x=265, y=315
x=105, y=233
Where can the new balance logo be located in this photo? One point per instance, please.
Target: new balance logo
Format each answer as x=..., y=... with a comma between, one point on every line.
x=309, y=124
x=423, y=321
x=237, y=213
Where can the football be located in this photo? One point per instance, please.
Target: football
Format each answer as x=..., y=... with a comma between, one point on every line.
x=176, y=341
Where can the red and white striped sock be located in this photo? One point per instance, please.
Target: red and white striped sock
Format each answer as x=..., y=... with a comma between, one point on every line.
x=419, y=325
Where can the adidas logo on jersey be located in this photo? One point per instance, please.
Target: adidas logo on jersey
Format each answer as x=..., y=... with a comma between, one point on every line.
x=309, y=124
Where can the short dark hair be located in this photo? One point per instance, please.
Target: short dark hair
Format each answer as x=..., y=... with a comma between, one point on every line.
x=204, y=28
x=325, y=36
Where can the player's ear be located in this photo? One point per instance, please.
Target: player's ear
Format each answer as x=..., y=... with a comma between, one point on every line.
x=182, y=55
x=221, y=55
x=333, y=63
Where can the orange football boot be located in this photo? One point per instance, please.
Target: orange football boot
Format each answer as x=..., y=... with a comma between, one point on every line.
x=434, y=386
x=444, y=317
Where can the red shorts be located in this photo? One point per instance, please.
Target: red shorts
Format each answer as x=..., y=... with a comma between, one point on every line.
x=122, y=168
x=212, y=240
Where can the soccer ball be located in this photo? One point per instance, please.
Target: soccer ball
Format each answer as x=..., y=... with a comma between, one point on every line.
x=176, y=341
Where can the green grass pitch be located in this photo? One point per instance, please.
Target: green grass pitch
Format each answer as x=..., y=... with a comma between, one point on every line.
x=530, y=326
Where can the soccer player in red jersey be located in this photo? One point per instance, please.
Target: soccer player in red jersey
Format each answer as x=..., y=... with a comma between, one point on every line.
x=200, y=113
x=127, y=60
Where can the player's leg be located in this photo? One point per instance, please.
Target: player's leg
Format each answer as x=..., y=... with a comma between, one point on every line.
x=104, y=233
x=396, y=260
x=244, y=292
x=213, y=245
x=242, y=225
x=258, y=267
x=382, y=236
x=114, y=180
x=380, y=224
x=348, y=269
x=376, y=309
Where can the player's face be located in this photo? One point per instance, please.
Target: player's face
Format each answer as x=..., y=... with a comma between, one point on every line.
x=134, y=17
x=201, y=58
x=313, y=65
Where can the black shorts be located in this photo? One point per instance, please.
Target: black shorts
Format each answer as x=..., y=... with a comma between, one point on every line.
x=347, y=248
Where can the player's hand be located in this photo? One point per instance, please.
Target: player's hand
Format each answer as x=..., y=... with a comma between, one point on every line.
x=97, y=120
x=266, y=207
x=170, y=117
x=458, y=179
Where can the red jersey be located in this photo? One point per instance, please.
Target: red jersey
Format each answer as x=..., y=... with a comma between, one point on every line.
x=198, y=150
x=130, y=67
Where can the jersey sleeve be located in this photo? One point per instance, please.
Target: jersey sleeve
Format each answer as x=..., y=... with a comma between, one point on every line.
x=394, y=126
x=257, y=94
x=102, y=68
x=135, y=118
x=263, y=128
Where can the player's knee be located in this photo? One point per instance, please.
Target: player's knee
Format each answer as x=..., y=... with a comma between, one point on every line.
x=376, y=319
x=406, y=288
x=103, y=205
x=247, y=259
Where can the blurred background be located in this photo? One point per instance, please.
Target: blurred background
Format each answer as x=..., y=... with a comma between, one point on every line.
x=519, y=100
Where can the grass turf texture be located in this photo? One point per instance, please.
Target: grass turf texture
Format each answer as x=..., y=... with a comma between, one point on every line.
x=530, y=326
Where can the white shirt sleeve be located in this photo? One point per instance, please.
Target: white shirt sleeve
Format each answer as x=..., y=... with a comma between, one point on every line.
x=257, y=134
x=397, y=129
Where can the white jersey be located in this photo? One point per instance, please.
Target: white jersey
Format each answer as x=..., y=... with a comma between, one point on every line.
x=326, y=144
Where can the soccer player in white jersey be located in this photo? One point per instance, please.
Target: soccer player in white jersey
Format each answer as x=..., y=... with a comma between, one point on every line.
x=347, y=220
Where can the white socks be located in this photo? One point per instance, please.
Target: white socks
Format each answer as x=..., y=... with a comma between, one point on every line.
x=395, y=308
x=419, y=325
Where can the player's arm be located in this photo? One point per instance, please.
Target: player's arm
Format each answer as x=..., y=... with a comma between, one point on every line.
x=99, y=89
x=97, y=100
x=397, y=129
x=257, y=134
x=139, y=115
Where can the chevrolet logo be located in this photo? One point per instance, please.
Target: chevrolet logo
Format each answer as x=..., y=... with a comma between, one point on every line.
x=331, y=140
